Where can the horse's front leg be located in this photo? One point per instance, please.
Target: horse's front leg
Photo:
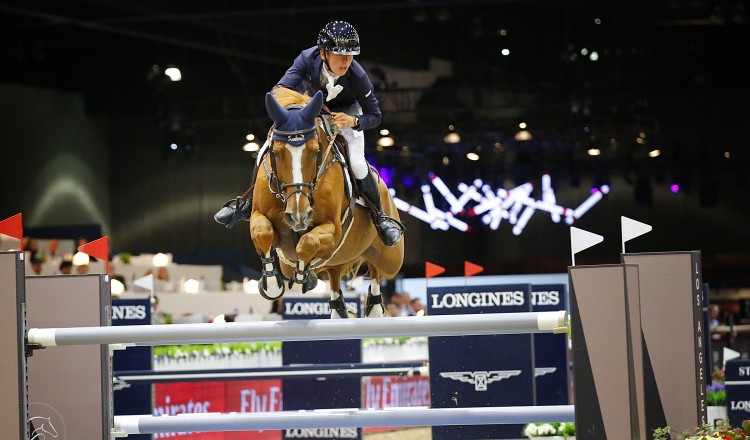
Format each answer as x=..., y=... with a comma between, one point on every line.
x=318, y=243
x=271, y=284
x=337, y=303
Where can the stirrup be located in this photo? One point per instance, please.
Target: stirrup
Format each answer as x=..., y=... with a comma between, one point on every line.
x=339, y=306
x=229, y=215
x=389, y=229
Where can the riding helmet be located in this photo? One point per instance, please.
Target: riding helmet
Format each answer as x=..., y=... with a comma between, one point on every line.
x=339, y=37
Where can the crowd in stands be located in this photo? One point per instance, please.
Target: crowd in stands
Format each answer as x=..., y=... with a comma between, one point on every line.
x=41, y=255
x=400, y=304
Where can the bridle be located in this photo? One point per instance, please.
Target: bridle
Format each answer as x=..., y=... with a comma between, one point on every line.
x=279, y=188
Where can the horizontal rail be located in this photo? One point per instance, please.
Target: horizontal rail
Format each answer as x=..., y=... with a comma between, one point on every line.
x=287, y=372
x=341, y=418
x=304, y=329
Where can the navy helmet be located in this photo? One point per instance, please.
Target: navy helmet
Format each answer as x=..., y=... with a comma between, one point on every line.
x=339, y=37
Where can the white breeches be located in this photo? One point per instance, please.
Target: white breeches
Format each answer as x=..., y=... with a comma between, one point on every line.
x=356, y=148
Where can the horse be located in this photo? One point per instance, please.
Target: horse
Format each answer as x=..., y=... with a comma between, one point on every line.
x=305, y=218
x=42, y=426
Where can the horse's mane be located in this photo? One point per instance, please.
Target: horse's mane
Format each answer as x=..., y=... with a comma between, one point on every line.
x=287, y=97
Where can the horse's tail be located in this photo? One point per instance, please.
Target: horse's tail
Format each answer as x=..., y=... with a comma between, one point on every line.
x=351, y=269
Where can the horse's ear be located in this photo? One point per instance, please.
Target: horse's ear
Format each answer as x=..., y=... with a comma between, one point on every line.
x=312, y=109
x=274, y=109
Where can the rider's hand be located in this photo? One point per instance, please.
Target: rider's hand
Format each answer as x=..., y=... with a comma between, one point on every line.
x=342, y=120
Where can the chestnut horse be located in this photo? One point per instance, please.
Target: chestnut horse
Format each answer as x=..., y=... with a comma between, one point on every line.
x=305, y=218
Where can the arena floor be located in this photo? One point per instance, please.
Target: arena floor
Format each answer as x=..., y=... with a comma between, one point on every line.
x=422, y=433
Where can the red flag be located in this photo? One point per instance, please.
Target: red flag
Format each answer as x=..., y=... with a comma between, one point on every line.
x=97, y=248
x=12, y=226
x=471, y=268
x=432, y=270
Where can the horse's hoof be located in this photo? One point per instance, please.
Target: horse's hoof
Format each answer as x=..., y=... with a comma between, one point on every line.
x=311, y=283
x=378, y=311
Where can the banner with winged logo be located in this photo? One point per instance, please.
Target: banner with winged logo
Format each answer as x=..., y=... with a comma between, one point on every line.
x=480, y=371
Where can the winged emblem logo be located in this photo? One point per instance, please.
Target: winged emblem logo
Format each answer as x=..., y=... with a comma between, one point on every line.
x=543, y=371
x=480, y=379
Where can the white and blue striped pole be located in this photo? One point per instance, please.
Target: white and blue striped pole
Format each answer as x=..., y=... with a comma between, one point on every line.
x=341, y=418
x=305, y=330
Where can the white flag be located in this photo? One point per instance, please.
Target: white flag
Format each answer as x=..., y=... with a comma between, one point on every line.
x=146, y=282
x=728, y=354
x=580, y=240
x=632, y=229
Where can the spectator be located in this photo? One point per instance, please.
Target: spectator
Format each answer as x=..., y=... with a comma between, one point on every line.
x=162, y=273
x=30, y=247
x=403, y=302
x=52, y=256
x=417, y=307
x=392, y=309
x=162, y=281
x=36, y=265
x=66, y=266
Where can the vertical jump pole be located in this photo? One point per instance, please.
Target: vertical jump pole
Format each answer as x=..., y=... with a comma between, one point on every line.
x=13, y=393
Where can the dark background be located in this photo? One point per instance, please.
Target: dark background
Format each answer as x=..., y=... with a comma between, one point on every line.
x=86, y=115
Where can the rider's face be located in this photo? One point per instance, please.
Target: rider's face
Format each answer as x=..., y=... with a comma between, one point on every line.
x=339, y=64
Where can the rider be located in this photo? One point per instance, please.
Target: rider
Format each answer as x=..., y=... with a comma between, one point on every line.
x=329, y=66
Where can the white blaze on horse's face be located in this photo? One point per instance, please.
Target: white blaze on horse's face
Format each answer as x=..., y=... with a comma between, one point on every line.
x=296, y=153
x=298, y=214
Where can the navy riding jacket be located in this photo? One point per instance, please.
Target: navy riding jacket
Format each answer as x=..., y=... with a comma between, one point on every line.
x=304, y=76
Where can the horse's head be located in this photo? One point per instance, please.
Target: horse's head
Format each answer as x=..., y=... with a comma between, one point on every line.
x=296, y=153
x=42, y=427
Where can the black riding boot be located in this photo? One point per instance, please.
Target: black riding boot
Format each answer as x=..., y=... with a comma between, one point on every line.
x=234, y=210
x=388, y=229
x=237, y=208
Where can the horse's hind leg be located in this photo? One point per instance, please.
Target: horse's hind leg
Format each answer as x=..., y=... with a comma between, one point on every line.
x=374, y=307
x=338, y=306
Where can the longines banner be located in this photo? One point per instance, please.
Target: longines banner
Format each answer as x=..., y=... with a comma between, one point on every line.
x=480, y=371
x=738, y=390
x=132, y=397
x=320, y=392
